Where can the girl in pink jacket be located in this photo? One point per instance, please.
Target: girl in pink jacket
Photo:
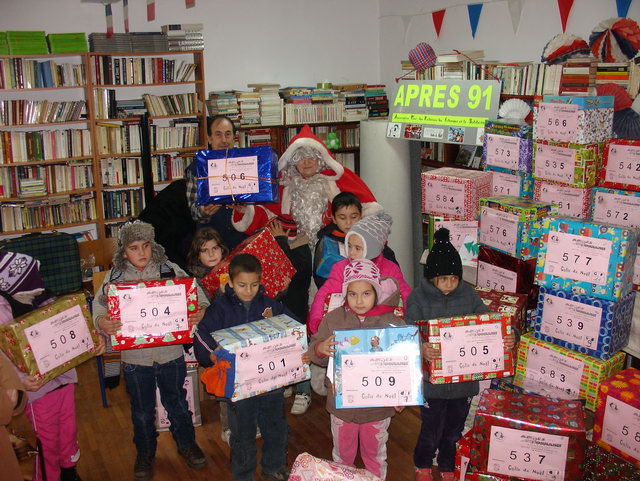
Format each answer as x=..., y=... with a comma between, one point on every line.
x=365, y=239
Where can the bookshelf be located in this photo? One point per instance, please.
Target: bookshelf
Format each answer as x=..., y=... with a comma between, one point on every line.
x=71, y=158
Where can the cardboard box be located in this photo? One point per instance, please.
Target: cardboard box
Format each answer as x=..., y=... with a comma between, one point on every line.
x=614, y=206
x=529, y=436
x=268, y=355
x=471, y=347
x=454, y=193
x=510, y=182
x=378, y=367
x=191, y=385
x=237, y=176
x=561, y=369
x=512, y=304
x=153, y=313
x=617, y=423
x=507, y=146
x=571, y=164
x=571, y=201
x=589, y=258
x=52, y=339
x=592, y=326
x=277, y=269
x=621, y=164
x=575, y=119
x=532, y=388
x=513, y=225
x=601, y=465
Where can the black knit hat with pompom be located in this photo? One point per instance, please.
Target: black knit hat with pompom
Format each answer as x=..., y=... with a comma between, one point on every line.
x=443, y=259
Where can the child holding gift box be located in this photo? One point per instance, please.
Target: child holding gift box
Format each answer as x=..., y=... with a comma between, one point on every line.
x=441, y=294
x=366, y=239
x=244, y=301
x=137, y=258
x=206, y=252
x=369, y=304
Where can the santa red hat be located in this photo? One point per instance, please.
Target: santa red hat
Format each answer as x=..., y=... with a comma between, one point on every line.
x=306, y=138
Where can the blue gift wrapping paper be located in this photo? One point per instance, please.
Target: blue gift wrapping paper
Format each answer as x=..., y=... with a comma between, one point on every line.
x=616, y=214
x=267, y=178
x=525, y=179
x=521, y=130
x=615, y=323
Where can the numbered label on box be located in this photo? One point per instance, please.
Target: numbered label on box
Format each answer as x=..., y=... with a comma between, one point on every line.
x=499, y=229
x=621, y=427
x=496, y=278
x=445, y=197
x=555, y=163
x=571, y=321
x=238, y=175
x=459, y=231
x=503, y=151
x=623, y=165
x=617, y=209
x=153, y=310
x=557, y=121
x=471, y=349
x=553, y=370
x=577, y=257
x=505, y=184
x=570, y=200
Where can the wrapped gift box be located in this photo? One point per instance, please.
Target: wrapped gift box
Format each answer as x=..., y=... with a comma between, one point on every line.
x=619, y=408
x=471, y=347
x=614, y=206
x=513, y=225
x=277, y=269
x=51, y=339
x=378, y=367
x=191, y=385
x=562, y=369
x=462, y=233
x=507, y=146
x=570, y=164
x=600, y=465
x=309, y=468
x=153, y=313
x=571, y=201
x=512, y=304
x=463, y=454
x=510, y=182
x=575, y=119
x=592, y=326
x=478, y=476
x=237, y=176
x=530, y=437
x=587, y=258
x=454, y=193
x=621, y=164
x=532, y=388
x=267, y=354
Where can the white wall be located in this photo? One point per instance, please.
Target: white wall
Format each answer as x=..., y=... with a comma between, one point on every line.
x=291, y=42
x=540, y=22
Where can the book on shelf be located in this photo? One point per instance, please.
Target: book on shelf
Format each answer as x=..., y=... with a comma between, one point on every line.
x=182, y=134
x=41, y=145
x=19, y=73
x=30, y=112
x=121, y=171
x=122, y=203
x=111, y=70
x=168, y=167
x=116, y=138
x=177, y=104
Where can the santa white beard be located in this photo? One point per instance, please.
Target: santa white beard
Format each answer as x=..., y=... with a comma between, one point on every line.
x=309, y=200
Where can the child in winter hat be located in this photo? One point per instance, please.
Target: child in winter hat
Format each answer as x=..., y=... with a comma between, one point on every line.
x=443, y=259
x=134, y=231
x=368, y=236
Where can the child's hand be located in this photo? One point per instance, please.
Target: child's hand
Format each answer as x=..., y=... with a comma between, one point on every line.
x=209, y=210
x=510, y=341
x=276, y=229
x=429, y=353
x=326, y=347
x=399, y=409
x=197, y=317
x=108, y=325
x=100, y=347
x=32, y=383
x=306, y=358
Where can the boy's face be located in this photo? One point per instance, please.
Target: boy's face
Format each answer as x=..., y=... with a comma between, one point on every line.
x=361, y=297
x=446, y=284
x=138, y=253
x=210, y=254
x=221, y=135
x=245, y=285
x=346, y=216
x=355, y=247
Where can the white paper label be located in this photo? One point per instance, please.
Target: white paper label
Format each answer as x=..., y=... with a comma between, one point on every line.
x=571, y=321
x=459, y=230
x=432, y=133
x=58, y=339
x=499, y=229
x=577, y=257
x=623, y=164
x=472, y=349
x=444, y=197
x=550, y=368
x=496, y=278
x=503, y=151
x=555, y=163
x=617, y=209
x=505, y=184
x=394, y=130
x=570, y=200
x=527, y=454
x=621, y=426
x=153, y=310
x=238, y=175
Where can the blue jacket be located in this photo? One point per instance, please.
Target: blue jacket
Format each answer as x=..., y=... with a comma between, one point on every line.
x=228, y=311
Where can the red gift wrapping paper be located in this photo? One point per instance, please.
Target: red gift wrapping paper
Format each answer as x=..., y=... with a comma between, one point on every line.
x=122, y=343
x=463, y=454
x=601, y=465
x=535, y=414
x=510, y=303
x=617, y=421
x=610, y=176
x=277, y=269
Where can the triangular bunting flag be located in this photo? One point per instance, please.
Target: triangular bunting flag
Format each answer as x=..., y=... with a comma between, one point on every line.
x=190, y=3
x=109, y=15
x=438, y=16
x=515, y=9
x=623, y=7
x=474, y=16
x=151, y=10
x=565, y=7
x=125, y=14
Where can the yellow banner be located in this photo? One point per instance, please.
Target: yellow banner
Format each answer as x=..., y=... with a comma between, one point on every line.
x=438, y=119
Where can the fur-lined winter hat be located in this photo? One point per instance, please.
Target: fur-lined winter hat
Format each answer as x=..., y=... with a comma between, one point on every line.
x=133, y=231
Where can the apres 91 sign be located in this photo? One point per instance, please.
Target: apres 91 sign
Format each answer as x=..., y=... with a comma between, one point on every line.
x=451, y=111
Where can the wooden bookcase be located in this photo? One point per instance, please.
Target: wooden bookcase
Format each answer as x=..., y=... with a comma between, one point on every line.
x=93, y=65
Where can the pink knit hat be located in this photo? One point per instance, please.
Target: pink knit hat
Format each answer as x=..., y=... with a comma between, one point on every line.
x=362, y=270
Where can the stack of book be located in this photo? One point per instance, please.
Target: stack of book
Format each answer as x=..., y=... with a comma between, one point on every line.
x=32, y=187
x=27, y=42
x=130, y=108
x=249, y=103
x=255, y=137
x=323, y=95
x=224, y=102
x=377, y=102
x=297, y=95
x=578, y=77
x=119, y=43
x=148, y=42
x=164, y=105
x=184, y=36
x=270, y=103
x=612, y=73
x=67, y=42
x=4, y=45
x=355, y=104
